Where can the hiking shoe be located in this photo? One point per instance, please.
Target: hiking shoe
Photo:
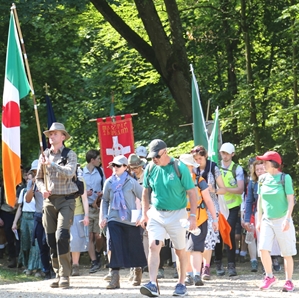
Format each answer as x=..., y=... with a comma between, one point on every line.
x=12, y=263
x=75, y=270
x=254, y=266
x=55, y=282
x=206, y=273
x=268, y=282
x=180, y=290
x=231, y=269
x=288, y=286
x=219, y=268
x=160, y=273
x=197, y=281
x=189, y=280
x=149, y=290
x=275, y=264
x=94, y=267
x=64, y=282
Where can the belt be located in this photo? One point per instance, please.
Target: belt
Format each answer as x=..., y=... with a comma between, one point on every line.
x=163, y=209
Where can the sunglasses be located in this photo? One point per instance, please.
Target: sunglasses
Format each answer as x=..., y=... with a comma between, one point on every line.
x=199, y=150
x=158, y=156
x=115, y=165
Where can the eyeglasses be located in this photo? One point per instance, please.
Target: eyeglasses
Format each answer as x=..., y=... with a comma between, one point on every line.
x=115, y=165
x=158, y=156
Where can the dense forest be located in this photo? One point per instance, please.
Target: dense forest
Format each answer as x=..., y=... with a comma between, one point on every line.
x=244, y=53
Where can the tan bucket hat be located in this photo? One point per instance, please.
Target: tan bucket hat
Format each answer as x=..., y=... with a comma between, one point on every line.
x=57, y=126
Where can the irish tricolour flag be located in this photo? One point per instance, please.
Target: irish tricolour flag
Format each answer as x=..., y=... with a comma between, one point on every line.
x=16, y=86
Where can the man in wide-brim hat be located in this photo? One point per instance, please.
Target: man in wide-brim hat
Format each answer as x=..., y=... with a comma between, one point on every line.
x=54, y=180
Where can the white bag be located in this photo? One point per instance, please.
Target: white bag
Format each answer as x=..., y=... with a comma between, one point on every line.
x=222, y=206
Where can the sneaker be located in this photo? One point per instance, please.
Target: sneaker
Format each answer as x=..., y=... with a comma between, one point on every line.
x=206, y=273
x=160, y=273
x=64, y=282
x=197, y=281
x=47, y=275
x=275, y=264
x=288, y=286
x=268, y=283
x=189, y=280
x=94, y=267
x=254, y=266
x=231, y=269
x=180, y=290
x=219, y=268
x=28, y=272
x=149, y=290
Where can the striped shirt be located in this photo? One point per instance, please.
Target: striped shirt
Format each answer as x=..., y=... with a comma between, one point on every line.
x=59, y=176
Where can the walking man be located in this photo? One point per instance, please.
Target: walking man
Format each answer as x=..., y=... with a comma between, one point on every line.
x=94, y=184
x=54, y=181
x=233, y=178
x=166, y=182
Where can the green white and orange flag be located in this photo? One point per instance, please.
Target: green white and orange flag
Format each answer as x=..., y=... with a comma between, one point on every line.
x=16, y=86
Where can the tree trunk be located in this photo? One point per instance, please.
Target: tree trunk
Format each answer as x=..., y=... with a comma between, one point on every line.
x=250, y=81
x=167, y=54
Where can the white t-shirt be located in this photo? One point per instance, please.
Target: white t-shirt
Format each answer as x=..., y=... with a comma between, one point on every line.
x=27, y=207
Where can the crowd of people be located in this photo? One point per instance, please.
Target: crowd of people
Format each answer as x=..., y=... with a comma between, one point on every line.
x=146, y=208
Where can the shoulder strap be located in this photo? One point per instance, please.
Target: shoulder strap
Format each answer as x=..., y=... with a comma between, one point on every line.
x=234, y=170
x=64, y=154
x=176, y=167
x=101, y=174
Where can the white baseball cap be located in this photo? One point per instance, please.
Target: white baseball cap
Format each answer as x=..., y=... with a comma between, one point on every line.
x=34, y=165
x=141, y=151
x=228, y=148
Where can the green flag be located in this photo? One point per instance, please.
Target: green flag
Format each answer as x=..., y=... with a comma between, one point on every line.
x=213, y=140
x=200, y=135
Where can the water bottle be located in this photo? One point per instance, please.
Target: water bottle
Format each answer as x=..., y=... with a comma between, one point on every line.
x=250, y=234
x=185, y=223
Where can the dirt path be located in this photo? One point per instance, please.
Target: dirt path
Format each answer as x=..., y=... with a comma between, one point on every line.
x=92, y=285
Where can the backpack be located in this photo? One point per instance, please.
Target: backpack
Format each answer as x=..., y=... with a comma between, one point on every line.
x=151, y=165
x=281, y=181
x=78, y=182
x=102, y=175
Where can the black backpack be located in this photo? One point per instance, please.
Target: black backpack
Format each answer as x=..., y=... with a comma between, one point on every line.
x=79, y=183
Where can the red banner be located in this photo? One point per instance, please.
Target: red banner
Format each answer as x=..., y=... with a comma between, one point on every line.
x=116, y=137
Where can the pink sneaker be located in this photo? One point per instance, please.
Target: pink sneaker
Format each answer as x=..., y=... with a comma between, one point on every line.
x=288, y=286
x=268, y=283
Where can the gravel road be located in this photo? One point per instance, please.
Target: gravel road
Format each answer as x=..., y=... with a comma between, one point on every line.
x=92, y=285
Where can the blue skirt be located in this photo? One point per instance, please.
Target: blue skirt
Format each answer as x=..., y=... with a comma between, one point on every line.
x=126, y=246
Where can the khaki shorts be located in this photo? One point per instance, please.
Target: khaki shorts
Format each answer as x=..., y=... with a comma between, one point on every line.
x=166, y=224
x=271, y=228
x=94, y=221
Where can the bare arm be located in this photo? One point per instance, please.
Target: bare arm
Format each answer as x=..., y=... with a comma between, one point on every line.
x=17, y=217
x=193, y=206
x=145, y=207
x=288, y=218
x=237, y=190
x=85, y=207
x=221, y=190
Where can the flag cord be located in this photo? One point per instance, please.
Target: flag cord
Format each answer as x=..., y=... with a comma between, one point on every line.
x=14, y=9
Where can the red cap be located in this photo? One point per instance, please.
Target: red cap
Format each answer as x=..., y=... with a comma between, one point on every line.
x=270, y=155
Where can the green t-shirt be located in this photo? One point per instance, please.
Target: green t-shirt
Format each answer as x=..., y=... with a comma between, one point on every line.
x=273, y=194
x=168, y=190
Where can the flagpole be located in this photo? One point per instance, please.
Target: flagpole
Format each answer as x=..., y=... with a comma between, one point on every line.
x=14, y=9
x=104, y=118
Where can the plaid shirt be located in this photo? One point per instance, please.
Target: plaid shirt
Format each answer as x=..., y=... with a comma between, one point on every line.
x=59, y=176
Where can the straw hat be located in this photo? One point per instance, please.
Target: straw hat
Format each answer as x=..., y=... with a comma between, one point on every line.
x=57, y=126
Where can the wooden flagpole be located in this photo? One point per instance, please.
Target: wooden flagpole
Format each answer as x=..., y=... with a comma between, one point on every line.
x=14, y=9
